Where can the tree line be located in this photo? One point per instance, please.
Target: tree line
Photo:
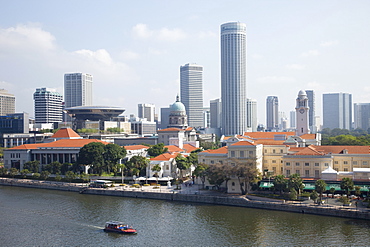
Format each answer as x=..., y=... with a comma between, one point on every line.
x=357, y=137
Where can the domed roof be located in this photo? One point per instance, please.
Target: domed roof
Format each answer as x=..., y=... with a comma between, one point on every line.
x=177, y=106
x=302, y=92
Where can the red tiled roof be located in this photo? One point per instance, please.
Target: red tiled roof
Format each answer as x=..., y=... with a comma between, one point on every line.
x=77, y=143
x=65, y=133
x=266, y=135
x=323, y=150
x=189, y=148
x=222, y=150
x=269, y=142
x=28, y=146
x=165, y=156
x=243, y=143
x=136, y=147
x=173, y=148
x=170, y=129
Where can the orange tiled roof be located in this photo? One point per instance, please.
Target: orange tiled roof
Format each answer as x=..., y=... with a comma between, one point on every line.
x=65, y=133
x=165, y=156
x=266, y=135
x=237, y=136
x=243, y=143
x=170, y=129
x=308, y=136
x=189, y=129
x=189, y=148
x=136, y=147
x=78, y=143
x=28, y=146
x=323, y=150
x=269, y=142
x=173, y=148
x=222, y=150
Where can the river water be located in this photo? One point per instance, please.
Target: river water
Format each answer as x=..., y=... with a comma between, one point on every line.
x=37, y=217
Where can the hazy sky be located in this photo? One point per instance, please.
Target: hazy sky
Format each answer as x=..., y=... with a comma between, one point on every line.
x=134, y=49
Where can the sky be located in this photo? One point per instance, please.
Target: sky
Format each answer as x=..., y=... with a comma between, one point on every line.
x=134, y=49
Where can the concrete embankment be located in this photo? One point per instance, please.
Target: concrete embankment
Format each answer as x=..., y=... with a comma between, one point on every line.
x=198, y=198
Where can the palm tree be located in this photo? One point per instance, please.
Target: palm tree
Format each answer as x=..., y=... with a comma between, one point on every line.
x=280, y=183
x=347, y=185
x=320, y=187
x=332, y=191
x=156, y=169
x=122, y=167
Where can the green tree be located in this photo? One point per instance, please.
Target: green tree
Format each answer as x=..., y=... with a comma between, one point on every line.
x=293, y=194
x=347, y=184
x=92, y=154
x=357, y=190
x=13, y=171
x=112, y=155
x=65, y=168
x=332, y=191
x=215, y=175
x=156, y=169
x=314, y=195
x=54, y=167
x=246, y=174
x=115, y=130
x=156, y=150
x=320, y=187
x=70, y=175
x=201, y=172
x=137, y=165
x=280, y=183
x=32, y=166
x=24, y=173
x=182, y=164
x=3, y=171
x=295, y=182
x=44, y=175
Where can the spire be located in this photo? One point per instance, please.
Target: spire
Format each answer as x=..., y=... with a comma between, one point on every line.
x=177, y=98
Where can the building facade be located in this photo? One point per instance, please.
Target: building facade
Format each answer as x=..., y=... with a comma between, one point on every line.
x=337, y=110
x=7, y=103
x=251, y=120
x=272, y=113
x=14, y=123
x=178, y=117
x=302, y=114
x=146, y=111
x=215, y=113
x=48, y=106
x=362, y=116
x=233, y=77
x=312, y=112
x=191, y=93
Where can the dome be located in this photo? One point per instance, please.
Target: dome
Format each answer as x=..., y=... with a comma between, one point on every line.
x=177, y=106
x=302, y=92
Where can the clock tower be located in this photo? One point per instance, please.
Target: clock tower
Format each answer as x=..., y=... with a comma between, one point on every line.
x=302, y=114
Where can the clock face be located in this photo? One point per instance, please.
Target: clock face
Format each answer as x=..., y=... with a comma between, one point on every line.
x=301, y=111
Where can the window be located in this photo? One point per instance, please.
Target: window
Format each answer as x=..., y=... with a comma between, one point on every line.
x=297, y=164
x=326, y=164
x=336, y=162
x=355, y=162
x=288, y=172
x=317, y=173
x=317, y=164
x=273, y=151
x=265, y=150
x=232, y=153
x=274, y=161
x=287, y=164
x=281, y=151
x=241, y=154
x=306, y=164
x=345, y=162
x=297, y=172
x=364, y=163
x=212, y=161
x=306, y=173
x=345, y=169
x=220, y=161
x=233, y=184
x=167, y=167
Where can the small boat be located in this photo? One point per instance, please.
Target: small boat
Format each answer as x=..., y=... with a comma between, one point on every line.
x=119, y=227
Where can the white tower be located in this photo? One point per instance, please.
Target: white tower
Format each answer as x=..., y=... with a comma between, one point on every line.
x=302, y=114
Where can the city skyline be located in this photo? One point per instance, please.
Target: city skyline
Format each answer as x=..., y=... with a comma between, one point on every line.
x=291, y=46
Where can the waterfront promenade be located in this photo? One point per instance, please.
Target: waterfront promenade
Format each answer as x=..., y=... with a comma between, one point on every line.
x=194, y=195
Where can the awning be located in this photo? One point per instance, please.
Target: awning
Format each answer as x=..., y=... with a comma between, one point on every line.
x=266, y=185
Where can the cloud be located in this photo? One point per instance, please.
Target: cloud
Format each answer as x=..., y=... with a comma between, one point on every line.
x=276, y=79
x=257, y=56
x=310, y=53
x=316, y=86
x=207, y=34
x=295, y=66
x=142, y=31
x=129, y=55
x=329, y=43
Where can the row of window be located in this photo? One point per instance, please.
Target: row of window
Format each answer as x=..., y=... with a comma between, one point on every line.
x=15, y=155
x=242, y=154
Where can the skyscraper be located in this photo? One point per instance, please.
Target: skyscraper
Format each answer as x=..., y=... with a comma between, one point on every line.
x=215, y=112
x=311, y=113
x=302, y=113
x=48, y=105
x=251, y=120
x=146, y=111
x=362, y=115
x=272, y=113
x=292, y=119
x=77, y=89
x=233, y=77
x=7, y=103
x=191, y=92
x=337, y=110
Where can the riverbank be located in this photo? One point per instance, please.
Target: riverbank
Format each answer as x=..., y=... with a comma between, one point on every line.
x=194, y=196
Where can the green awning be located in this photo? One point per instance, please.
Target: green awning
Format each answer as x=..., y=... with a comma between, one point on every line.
x=266, y=185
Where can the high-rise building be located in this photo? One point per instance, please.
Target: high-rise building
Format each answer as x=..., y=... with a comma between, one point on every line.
x=215, y=112
x=292, y=119
x=191, y=93
x=7, y=103
x=48, y=105
x=206, y=117
x=78, y=89
x=146, y=111
x=302, y=114
x=362, y=116
x=272, y=113
x=251, y=120
x=337, y=110
x=165, y=115
x=311, y=113
x=233, y=77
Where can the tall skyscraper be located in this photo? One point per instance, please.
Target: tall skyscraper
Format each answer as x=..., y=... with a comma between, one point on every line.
x=362, y=116
x=302, y=114
x=206, y=117
x=77, y=89
x=7, y=103
x=292, y=119
x=146, y=111
x=215, y=112
x=272, y=113
x=311, y=113
x=48, y=105
x=251, y=120
x=233, y=77
x=191, y=93
x=337, y=110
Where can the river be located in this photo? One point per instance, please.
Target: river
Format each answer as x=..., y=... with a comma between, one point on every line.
x=38, y=217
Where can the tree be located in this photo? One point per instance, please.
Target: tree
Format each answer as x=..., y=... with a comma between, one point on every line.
x=295, y=182
x=347, y=185
x=280, y=183
x=201, y=172
x=54, y=167
x=3, y=171
x=92, y=154
x=24, y=173
x=357, y=190
x=32, y=166
x=44, y=175
x=314, y=195
x=332, y=191
x=70, y=175
x=215, y=175
x=13, y=171
x=65, y=168
x=156, y=150
x=137, y=164
x=182, y=163
x=113, y=153
x=156, y=169
x=320, y=187
x=122, y=167
x=246, y=174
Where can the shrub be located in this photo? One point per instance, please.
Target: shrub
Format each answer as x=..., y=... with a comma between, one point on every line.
x=146, y=184
x=156, y=187
x=36, y=175
x=58, y=178
x=344, y=200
